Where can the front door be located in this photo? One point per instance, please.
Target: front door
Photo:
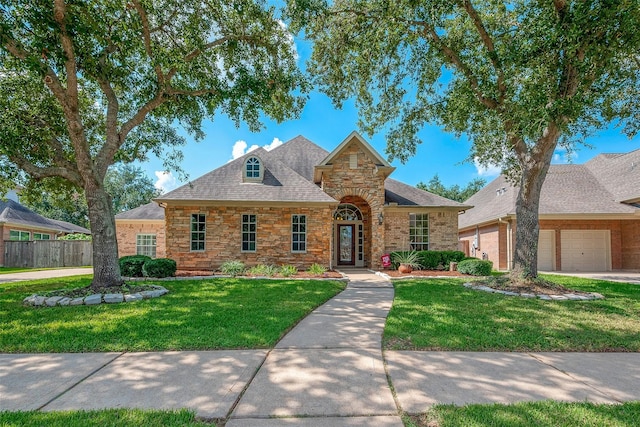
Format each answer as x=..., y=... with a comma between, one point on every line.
x=347, y=243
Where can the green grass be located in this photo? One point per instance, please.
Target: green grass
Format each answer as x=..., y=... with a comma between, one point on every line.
x=538, y=414
x=440, y=314
x=102, y=418
x=195, y=315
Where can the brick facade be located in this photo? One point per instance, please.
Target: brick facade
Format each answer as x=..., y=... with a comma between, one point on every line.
x=443, y=234
x=624, y=243
x=128, y=230
x=223, y=236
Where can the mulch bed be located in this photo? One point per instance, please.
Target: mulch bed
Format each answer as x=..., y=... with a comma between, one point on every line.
x=299, y=275
x=425, y=273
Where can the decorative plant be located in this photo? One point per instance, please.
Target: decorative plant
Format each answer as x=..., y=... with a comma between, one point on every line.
x=288, y=270
x=232, y=268
x=317, y=269
x=263, y=270
x=407, y=261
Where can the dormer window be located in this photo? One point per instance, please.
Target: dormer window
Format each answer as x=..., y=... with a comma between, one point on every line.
x=252, y=170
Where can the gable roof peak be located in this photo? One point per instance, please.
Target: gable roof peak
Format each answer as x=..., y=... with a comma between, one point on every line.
x=380, y=162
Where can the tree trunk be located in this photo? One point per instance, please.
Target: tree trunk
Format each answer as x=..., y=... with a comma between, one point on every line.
x=534, y=172
x=106, y=270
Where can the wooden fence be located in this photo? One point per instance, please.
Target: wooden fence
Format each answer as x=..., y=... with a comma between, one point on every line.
x=48, y=253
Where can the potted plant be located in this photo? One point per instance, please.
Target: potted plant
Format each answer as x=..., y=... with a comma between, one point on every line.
x=407, y=261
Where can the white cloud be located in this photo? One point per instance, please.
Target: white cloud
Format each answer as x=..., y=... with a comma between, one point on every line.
x=488, y=170
x=166, y=181
x=240, y=147
x=561, y=156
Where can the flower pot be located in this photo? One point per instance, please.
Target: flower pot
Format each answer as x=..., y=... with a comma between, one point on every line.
x=404, y=268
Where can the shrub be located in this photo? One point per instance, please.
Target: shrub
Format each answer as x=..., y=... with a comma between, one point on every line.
x=232, y=268
x=410, y=258
x=430, y=260
x=131, y=265
x=263, y=270
x=288, y=270
x=317, y=269
x=159, y=267
x=475, y=267
x=452, y=256
x=75, y=236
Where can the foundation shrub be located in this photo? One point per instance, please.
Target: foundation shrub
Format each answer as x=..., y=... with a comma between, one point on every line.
x=131, y=265
x=159, y=267
x=475, y=267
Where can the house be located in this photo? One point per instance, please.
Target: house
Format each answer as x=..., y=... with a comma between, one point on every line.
x=299, y=204
x=140, y=231
x=19, y=223
x=589, y=217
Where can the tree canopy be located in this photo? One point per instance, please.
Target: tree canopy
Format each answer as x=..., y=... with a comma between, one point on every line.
x=517, y=77
x=86, y=84
x=455, y=192
x=55, y=198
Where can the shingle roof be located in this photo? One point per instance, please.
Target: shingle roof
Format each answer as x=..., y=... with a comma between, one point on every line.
x=149, y=211
x=407, y=195
x=596, y=187
x=288, y=177
x=14, y=213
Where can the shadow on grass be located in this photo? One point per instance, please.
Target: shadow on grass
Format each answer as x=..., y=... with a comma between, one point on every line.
x=440, y=314
x=195, y=315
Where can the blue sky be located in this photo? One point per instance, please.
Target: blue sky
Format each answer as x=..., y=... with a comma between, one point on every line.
x=440, y=153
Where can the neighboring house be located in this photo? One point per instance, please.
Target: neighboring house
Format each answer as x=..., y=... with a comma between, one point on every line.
x=298, y=204
x=589, y=217
x=140, y=231
x=19, y=223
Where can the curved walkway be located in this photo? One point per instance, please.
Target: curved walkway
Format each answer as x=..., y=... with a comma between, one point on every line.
x=328, y=371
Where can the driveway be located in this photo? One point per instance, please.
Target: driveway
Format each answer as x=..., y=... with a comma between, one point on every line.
x=45, y=274
x=624, y=276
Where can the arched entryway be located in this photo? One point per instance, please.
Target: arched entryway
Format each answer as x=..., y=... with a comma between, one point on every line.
x=351, y=233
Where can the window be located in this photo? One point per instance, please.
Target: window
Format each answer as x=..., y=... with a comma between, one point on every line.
x=41, y=236
x=347, y=212
x=419, y=231
x=298, y=233
x=252, y=170
x=19, y=235
x=146, y=245
x=248, y=233
x=198, y=232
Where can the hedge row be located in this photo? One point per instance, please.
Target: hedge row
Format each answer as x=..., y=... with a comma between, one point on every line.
x=144, y=266
x=435, y=260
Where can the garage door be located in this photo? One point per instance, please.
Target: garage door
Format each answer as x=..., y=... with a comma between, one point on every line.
x=546, y=250
x=585, y=250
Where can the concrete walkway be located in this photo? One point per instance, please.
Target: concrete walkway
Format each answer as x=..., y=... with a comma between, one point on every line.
x=328, y=371
x=45, y=274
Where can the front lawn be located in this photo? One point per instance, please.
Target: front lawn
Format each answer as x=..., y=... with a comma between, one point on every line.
x=539, y=414
x=440, y=314
x=106, y=417
x=195, y=315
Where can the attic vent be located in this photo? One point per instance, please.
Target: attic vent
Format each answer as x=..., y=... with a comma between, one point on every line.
x=501, y=191
x=353, y=161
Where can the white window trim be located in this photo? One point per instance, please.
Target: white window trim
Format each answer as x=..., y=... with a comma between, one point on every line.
x=260, y=176
x=255, y=233
x=411, y=243
x=153, y=246
x=20, y=234
x=204, y=232
x=299, y=233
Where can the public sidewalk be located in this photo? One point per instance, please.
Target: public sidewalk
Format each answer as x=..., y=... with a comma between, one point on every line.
x=328, y=371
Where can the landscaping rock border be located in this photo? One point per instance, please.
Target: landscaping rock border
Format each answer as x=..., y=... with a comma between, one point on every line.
x=559, y=297
x=95, y=299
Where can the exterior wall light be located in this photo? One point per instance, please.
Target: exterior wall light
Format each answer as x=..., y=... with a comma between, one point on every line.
x=380, y=218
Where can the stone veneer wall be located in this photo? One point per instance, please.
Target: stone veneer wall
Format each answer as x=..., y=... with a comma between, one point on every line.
x=342, y=182
x=443, y=229
x=127, y=231
x=223, y=236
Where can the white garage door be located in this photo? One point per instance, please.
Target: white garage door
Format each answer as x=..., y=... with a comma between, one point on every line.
x=546, y=250
x=585, y=250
